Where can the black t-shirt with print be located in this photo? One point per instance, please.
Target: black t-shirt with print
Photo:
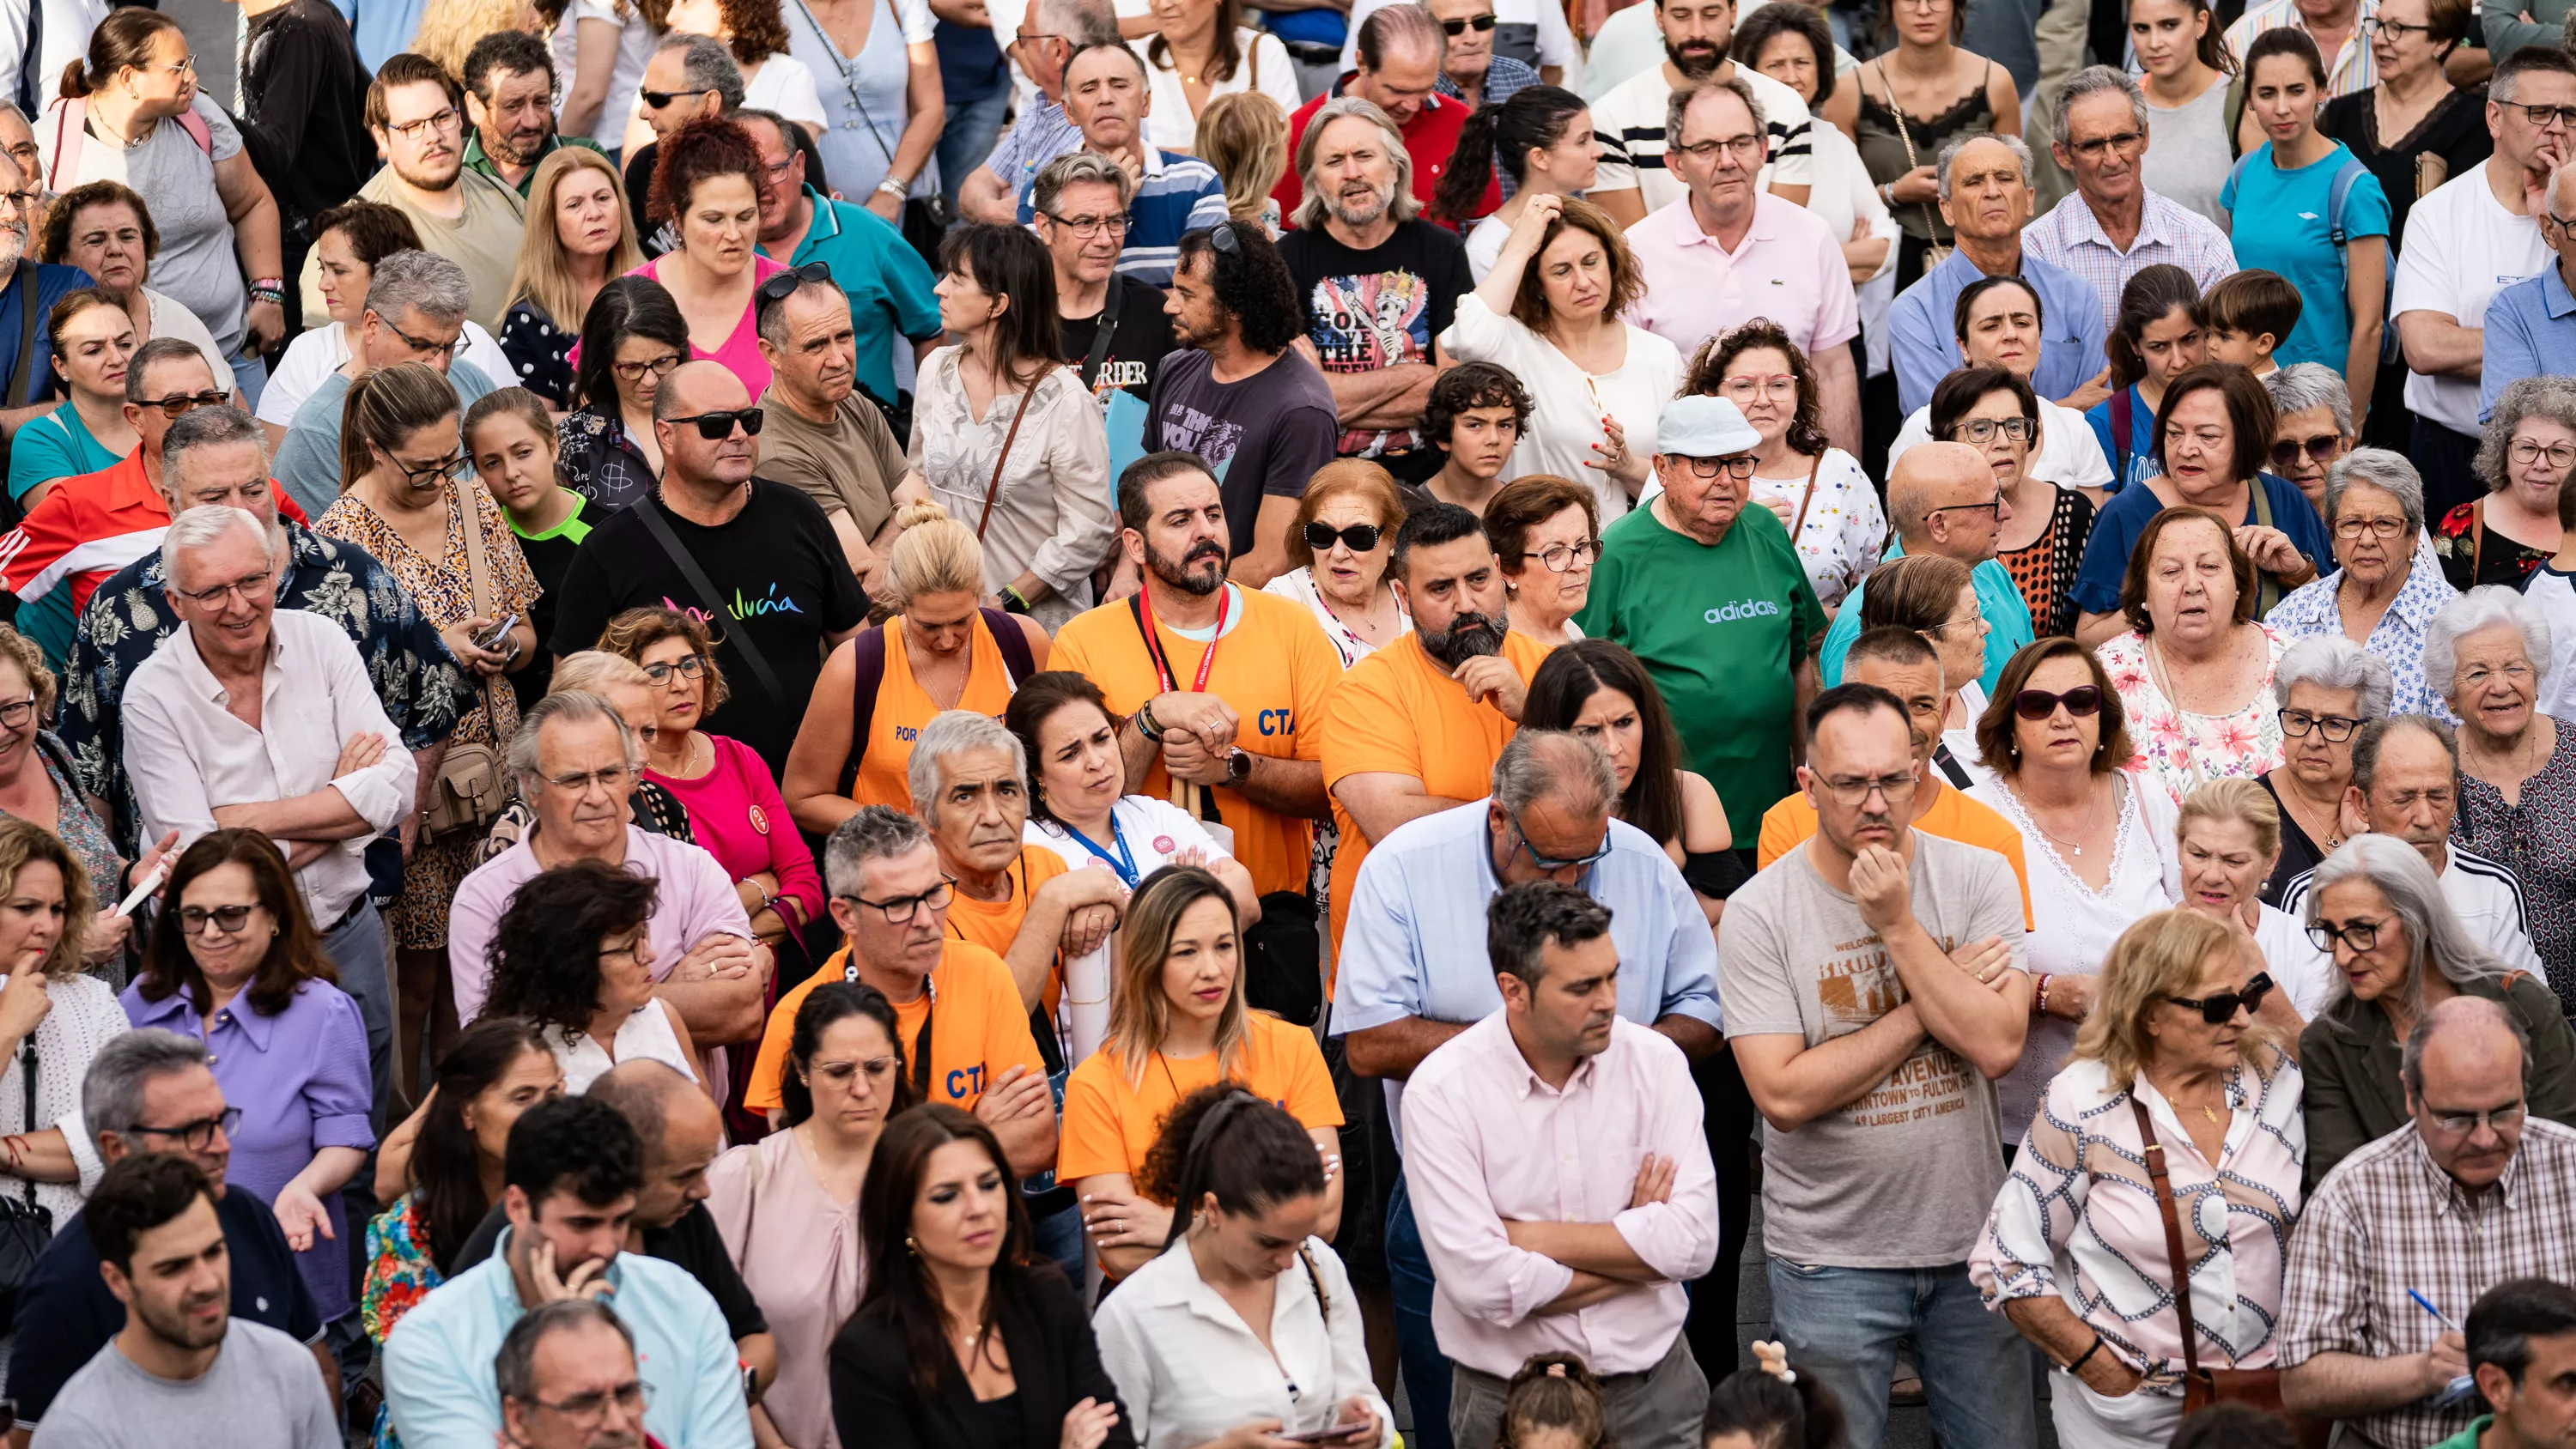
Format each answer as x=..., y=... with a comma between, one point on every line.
x=784, y=587
x=1137, y=344
x=1367, y=310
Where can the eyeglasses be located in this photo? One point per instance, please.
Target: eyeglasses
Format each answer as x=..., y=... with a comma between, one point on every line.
x=2544, y=117
x=25, y=203
x=2083, y=701
x=16, y=711
x=1982, y=431
x=1745, y=149
x=1739, y=467
x=1778, y=384
x=1480, y=23
x=2334, y=727
x=2384, y=529
x=199, y=1135
x=431, y=473
x=716, y=427
x=2397, y=29
x=658, y=366
x=178, y=404
x=612, y=779
x=422, y=345
x=1560, y=557
x=658, y=99
x=2359, y=934
x=2460, y=1124
x=2525, y=452
x=632, y=1397
x=1550, y=862
x=777, y=289
x=1084, y=228
x=443, y=119
x=2220, y=1008
x=900, y=910
x=687, y=666
x=1850, y=792
x=1360, y=536
x=631, y=950
x=1992, y=505
x=251, y=589
x=228, y=919
x=2099, y=146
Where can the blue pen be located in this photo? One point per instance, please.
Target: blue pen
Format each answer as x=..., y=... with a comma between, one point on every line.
x=2438, y=1315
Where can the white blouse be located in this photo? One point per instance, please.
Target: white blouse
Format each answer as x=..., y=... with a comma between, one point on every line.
x=1843, y=195
x=645, y=1034
x=1263, y=66
x=1844, y=530
x=1188, y=1368
x=2297, y=966
x=1568, y=403
x=1053, y=516
x=85, y=1016
x=786, y=85
x=2073, y=925
x=1299, y=584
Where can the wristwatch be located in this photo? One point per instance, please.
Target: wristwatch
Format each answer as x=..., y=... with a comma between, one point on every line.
x=1238, y=766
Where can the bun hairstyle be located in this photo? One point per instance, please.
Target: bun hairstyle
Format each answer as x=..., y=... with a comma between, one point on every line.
x=1774, y=1405
x=1222, y=1139
x=1555, y=1391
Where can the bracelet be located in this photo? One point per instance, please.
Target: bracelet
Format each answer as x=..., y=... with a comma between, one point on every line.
x=899, y=190
x=2081, y=1358
x=1145, y=725
x=1013, y=601
x=268, y=289
x=2039, y=1003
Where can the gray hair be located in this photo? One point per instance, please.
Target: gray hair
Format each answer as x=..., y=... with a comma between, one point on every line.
x=2483, y=607
x=2092, y=80
x=204, y=527
x=2455, y=1014
x=112, y=1088
x=1079, y=22
x=877, y=832
x=569, y=706
x=1678, y=104
x=424, y=282
x=2373, y=737
x=2302, y=386
x=208, y=428
x=1073, y=168
x=2415, y=895
x=2547, y=397
x=1312, y=211
x=2019, y=148
x=707, y=65
x=1553, y=765
x=946, y=734
x=160, y=350
x=514, y=1368
x=2378, y=468
x=2331, y=661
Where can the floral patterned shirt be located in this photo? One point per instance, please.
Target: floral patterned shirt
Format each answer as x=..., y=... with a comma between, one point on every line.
x=1844, y=531
x=400, y=1273
x=2468, y=561
x=2179, y=750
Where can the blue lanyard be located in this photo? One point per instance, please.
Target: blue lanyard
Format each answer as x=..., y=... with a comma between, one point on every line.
x=1123, y=862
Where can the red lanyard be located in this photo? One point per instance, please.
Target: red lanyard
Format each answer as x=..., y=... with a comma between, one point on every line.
x=1154, y=646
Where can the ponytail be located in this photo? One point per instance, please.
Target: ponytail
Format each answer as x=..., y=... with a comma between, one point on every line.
x=123, y=39
x=1536, y=118
x=385, y=406
x=1471, y=166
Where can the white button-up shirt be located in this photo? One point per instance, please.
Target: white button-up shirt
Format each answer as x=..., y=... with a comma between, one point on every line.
x=187, y=755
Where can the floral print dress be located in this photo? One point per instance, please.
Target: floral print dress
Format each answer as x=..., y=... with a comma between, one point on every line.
x=2179, y=750
x=2472, y=555
x=443, y=588
x=1843, y=531
x=400, y=1273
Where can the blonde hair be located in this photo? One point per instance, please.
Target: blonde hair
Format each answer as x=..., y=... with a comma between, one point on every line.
x=544, y=274
x=935, y=554
x=2241, y=800
x=1140, y=1013
x=449, y=28
x=24, y=840
x=594, y=670
x=1245, y=137
x=22, y=651
x=386, y=406
x=2160, y=957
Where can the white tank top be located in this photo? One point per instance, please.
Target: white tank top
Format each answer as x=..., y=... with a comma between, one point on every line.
x=646, y=1034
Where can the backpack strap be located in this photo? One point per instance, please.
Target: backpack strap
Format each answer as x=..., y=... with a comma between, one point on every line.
x=2345, y=179
x=867, y=666
x=198, y=131
x=1007, y=637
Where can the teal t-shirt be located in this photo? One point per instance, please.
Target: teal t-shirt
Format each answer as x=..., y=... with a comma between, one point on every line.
x=55, y=446
x=887, y=282
x=1721, y=630
x=2282, y=226
x=2007, y=620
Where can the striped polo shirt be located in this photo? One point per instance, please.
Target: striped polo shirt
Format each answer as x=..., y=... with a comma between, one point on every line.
x=1177, y=194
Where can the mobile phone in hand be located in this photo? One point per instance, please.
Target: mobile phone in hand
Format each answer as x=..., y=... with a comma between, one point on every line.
x=500, y=632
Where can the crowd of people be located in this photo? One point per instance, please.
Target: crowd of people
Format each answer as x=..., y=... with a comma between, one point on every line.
x=636, y=664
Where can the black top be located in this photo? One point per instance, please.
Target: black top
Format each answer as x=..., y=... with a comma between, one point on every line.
x=66, y=1315
x=595, y=458
x=1136, y=345
x=1265, y=435
x=1003, y=1427
x=303, y=97
x=1366, y=310
x=540, y=353
x=782, y=585
x=2299, y=854
x=1052, y=1353
x=2455, y=131
x=548, y=558
x=691, y=1244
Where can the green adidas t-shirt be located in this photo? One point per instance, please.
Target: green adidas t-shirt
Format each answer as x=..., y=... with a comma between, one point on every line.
x=1720, y=630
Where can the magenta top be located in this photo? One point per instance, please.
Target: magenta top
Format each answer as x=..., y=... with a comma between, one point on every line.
x=741, y=350
x=737, y=815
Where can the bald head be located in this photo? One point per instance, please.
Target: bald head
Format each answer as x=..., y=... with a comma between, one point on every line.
x=1925, y=478
x=702, y=466
x=680, y=1128
x=696, y=387
x=2463, y=1046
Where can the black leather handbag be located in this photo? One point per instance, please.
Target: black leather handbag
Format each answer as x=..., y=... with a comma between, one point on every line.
x=25, y=1226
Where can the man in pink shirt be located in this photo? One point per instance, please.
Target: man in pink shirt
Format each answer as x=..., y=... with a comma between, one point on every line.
x=1561, y=1181
x=1728, y=252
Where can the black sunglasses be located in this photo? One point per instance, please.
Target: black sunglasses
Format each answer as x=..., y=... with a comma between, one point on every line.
x=1481, y=23
x=1360, y=536
x=658, y=99
x=2219, y=1008
x=2038, y=704
x=716, y=427
x=783, y=286
x=2320, y=449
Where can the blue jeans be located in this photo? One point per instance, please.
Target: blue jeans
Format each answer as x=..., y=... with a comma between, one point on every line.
x=1843, y=1324
x=967, y=139
x=1417, y=1348
x=357, y=948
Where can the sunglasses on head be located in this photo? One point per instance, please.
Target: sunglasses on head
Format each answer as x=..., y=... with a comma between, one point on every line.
x=1481, y=24
x=716, y=427
x=2039, y=704
x=783, y=285
x=2219, y=1008
x=1360, y=536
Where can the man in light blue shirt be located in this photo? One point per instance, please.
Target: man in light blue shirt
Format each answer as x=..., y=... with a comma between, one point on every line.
x=416, y=306
x=572, y=1171
x=1943, y=499
x=2531, y=325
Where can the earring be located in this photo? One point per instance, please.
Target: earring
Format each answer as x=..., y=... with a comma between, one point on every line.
x=910, y=1246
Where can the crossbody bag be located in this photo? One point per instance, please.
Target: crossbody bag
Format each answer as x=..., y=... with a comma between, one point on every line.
x=467, y=791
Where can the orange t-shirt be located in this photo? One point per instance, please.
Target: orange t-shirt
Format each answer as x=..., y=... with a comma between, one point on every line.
x=1273, y=665
x=1110, y=1122
x=903, y=708
x=1953, y=816
x=1396, y=713
x=993, y=925
x=980, y=1031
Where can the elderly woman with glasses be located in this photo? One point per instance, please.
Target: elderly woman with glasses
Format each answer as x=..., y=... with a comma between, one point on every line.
x=2380, y=595
x=2195, y=669
x=2327, y=688
x=1346, y=523
x=2524, y=455
x=1547, y=536
x=2400, y=952
x=2488, y=652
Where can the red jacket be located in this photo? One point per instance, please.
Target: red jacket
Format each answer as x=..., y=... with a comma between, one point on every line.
x=1429, y=139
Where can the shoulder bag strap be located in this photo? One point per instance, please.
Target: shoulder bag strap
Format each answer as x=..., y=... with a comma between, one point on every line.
x=2123, y=418
x=71, y=120
x=1314, y=1280
x=1098, y=357
x=22, y=378
x=649, y=509
x=2477, y=535
x=478, y=574
x=994, y=489
x=1806, y=498
x=2163, y=1190
x=27, y=1059
x=867, y=675
x=2267, y=592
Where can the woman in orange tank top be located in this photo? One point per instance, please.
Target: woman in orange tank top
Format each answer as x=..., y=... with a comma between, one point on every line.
x=939, y=653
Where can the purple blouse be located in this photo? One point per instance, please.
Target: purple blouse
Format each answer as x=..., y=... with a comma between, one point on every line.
x=300, y=1080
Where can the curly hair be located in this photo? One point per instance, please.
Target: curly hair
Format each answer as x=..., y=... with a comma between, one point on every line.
x=55, y=241
x=1224, y=1140
x=24, y=840
x=1472, y=385
x=754, y=30
x=702, y=150
x=1707, y=371
x=2550, y=399
x=30, y=658
x=544, y=955
x=1251, y=281
x=294, y=953
x=633, y=631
